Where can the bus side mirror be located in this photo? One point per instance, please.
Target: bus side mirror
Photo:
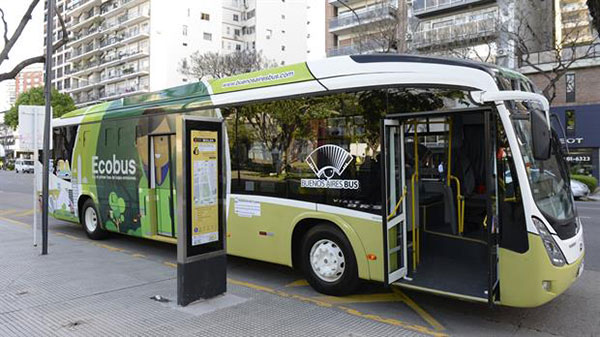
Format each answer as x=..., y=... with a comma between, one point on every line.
x=540, y=135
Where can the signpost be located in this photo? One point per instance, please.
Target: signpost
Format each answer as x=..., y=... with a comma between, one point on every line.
x=31, y=131
x=201, y=257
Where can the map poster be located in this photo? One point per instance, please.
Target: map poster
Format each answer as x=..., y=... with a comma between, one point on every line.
x=205, y=187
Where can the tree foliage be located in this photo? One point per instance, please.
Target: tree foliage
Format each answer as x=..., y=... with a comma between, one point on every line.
x=61, y=104
x=216, y=65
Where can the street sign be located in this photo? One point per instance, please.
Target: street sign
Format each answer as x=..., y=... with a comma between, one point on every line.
x=31, y=127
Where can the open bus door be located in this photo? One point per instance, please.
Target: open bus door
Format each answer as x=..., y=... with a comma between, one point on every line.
x=393, y=205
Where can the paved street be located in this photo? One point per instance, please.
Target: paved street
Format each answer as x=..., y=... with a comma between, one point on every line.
x=84, y=286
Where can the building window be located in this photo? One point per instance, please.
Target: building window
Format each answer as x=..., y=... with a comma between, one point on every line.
x=250, y=14
x=283, y=16
x=269, y=33
x=208, y=36
x=236, y=17
x=570, y=83
x=570, y=121
x=205, y=16
x=238, y=47
x=236, y=32
x=185, y=30
x=185, y=44
x=282, y=48
x=189, y=12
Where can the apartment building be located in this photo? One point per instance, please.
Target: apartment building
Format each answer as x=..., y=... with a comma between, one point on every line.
x=575, y=97
x=28, y=78
x=118, y=48
x=277, y=28
x=363, y=26
x=483, y=30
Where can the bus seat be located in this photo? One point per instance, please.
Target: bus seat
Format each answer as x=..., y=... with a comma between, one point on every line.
x=432, y=191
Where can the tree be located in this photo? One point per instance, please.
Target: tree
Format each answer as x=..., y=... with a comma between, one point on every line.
x=534, y=47
x=215, y=65
x=61, y=104
x=519, y=35
x=10, y=42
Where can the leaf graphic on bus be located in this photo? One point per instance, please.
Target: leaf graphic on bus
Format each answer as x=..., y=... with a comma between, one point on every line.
x=117, y=209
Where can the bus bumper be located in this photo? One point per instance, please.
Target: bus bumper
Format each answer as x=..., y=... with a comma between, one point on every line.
x=530, y=279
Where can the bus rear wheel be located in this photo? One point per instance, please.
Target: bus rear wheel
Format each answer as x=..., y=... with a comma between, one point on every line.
x=91, y=221
x=328, y=261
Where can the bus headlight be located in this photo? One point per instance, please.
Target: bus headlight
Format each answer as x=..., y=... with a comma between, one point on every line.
x=554, y=253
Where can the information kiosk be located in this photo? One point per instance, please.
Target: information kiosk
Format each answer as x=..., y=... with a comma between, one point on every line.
x=201, y=259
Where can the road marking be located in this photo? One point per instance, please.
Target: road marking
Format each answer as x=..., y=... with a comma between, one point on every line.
x=420, y=311
x=10, y=211
x=391, y=321
x=16, y=222
x=314, y=300
x=362, y=298
x=22, y=214
x=297, y=283
x=142, y=256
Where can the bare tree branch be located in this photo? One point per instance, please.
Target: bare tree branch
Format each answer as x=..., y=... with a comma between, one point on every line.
x=15, y=71
x=5, y=27
x=13, y=39
x=37, y=59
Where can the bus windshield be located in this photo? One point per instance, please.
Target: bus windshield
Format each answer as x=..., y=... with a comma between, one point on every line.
x=548, y=179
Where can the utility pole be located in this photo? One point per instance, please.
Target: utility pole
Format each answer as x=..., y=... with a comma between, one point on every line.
x=48, y=118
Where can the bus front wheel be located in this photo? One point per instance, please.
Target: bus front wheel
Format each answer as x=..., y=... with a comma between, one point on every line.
x=91, y=221
x=328, y=261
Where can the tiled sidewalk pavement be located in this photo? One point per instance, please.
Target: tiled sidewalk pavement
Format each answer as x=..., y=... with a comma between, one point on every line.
x=81, y=289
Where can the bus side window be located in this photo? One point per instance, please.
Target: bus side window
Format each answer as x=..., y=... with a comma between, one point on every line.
x=513, y=229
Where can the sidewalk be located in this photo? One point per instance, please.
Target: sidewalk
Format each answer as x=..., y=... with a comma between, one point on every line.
x=83, y=289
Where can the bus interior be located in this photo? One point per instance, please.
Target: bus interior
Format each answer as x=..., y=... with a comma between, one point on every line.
x=446, y=180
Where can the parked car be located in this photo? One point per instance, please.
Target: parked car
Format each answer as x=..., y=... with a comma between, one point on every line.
x=24, y=165
x=579, y=189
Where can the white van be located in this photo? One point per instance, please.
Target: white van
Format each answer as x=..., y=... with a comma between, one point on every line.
x=24, y=165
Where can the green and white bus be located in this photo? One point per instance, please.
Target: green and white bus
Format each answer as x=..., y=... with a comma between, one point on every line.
x=433, y=174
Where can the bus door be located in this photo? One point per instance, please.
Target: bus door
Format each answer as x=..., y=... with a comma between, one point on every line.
x=393, y=206
x=162, y=149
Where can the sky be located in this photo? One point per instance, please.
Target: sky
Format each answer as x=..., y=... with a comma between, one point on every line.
x=30, y=43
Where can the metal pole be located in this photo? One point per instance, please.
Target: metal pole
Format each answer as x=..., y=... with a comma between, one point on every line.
x=35, y=176
x=48, y=92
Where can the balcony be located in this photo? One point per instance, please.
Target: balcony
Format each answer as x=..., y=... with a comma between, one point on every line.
x=368, y=15
x=90, y=67
x=338, y=3
x=123, y=74
x=117, y=7
x=83, y=52
x=444, y=36
x=127, y=91
x=369, y=46
x=122, y=39
x=424, y=8
x=85, y=36
x=78, y=6
x=582, y=56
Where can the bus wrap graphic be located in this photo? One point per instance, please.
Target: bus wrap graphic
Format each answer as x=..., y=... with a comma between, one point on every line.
x=327, y=161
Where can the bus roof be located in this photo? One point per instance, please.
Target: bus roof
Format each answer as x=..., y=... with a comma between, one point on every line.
x=306, y=77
